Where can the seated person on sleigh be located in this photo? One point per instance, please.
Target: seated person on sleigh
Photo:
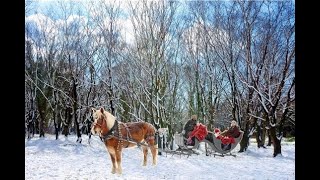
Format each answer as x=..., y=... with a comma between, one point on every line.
x=228, y=136
x=193, y=130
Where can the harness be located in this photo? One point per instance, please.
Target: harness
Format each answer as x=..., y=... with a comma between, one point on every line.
x=115, y=132
x=111, y=132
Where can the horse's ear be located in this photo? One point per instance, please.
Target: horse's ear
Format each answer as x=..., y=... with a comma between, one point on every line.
x=93, y=110
x=101, y=110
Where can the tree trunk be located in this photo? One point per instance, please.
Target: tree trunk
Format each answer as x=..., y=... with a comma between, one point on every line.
x=29, y=126
x=75, y=108
x=56, y=128
x=275, y=141
x=245, y=140
x=30, y=123
x=244, y=143
x=55, y=114
x=41, y=127
x=41, y=123
x=66, y=124
x=260, y=135
x=31, y=119
x=269, y=138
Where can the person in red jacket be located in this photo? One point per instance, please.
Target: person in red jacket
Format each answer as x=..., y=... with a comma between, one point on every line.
x=199, y=132
x=188, y=128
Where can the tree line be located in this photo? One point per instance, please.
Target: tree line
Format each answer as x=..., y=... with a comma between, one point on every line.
x=161, y=62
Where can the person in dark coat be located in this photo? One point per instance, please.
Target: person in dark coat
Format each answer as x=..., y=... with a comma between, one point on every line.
x=189, y=126
x=232, y=132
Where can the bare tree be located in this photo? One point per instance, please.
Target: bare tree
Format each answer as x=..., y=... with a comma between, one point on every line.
x=269, y=61
x=153, y=22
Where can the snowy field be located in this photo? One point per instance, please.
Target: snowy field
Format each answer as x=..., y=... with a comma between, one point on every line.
x=63, y=159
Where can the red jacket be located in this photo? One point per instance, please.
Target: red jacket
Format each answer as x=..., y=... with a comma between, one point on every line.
x=200, y=132
x=229, y=135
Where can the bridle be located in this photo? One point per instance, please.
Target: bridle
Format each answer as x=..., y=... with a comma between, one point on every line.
x=98, y=124
x=111, y=131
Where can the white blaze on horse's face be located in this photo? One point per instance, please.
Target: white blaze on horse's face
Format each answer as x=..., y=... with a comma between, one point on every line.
x=96, y=126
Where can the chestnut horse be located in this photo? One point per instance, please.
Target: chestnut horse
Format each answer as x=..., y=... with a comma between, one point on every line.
x=118, y=135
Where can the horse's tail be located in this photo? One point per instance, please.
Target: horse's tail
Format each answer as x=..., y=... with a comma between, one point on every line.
x=151, y=133
x=151, y=139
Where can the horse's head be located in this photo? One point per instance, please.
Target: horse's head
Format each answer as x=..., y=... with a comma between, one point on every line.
x=102, y=121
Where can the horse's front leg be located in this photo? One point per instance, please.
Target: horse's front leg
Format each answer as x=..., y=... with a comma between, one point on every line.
x=118, y=159
x=112, y=154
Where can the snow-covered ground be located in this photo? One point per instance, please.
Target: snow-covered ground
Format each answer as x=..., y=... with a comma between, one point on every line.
x=47, y=158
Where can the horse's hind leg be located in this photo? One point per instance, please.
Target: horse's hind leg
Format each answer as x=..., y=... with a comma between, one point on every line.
x=145, y=154
x=154, y=152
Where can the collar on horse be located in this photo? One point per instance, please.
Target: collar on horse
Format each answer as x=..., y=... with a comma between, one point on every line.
x=111, y=132
x=115, y=132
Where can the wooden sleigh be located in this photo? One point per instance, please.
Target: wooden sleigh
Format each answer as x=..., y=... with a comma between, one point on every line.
x=214, y=144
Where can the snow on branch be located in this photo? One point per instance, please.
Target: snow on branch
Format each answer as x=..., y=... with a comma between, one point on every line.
x=257, y=117
x=262, y=99
x=39, y=90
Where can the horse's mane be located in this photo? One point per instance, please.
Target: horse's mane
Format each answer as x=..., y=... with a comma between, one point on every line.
x=110, y=119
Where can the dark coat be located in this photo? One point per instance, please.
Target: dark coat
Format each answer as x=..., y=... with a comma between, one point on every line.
x=232, y=132
x=189, y=127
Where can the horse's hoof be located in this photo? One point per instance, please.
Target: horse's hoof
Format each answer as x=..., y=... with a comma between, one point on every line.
x=119, y=172
x=113, y=171
x=154, y=162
